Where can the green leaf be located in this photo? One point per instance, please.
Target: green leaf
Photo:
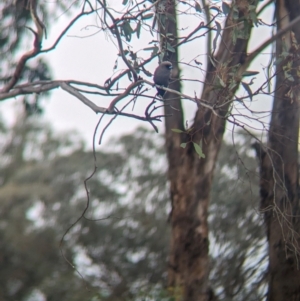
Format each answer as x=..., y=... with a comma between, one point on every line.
x=124, y=2
x=278, y=61
x=212, y=61
x=170, y=48
x=176, y=130
x=153, y=42
x=221, y=82
x=138, y=29
x=249, y=91
x=129, y=76
x=217, y=35
x=232, y=85
x=147, y=16
x=215, y=8
x=116, y=64
x=225, y=8
x=234, y=36
x=183, y=145
x=133, y=55
x=161, y=56
x=198, y=150
x=127, y=31
x=253, y=17
x=170, y=17
x=289, y=76
x=235, y=15
x=250, y=73
x=198, y=7
x=149, y=48
x=136, y=67
x=155, y=50
x=149, y=74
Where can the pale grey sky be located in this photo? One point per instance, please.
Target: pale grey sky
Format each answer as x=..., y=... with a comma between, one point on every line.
x=92, y=58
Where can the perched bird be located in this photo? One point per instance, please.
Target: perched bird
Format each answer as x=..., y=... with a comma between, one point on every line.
x=162, y=76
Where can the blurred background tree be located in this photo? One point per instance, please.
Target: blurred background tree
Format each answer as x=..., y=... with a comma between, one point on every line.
x=120, y=247
x=15, y=36
x=42, y=173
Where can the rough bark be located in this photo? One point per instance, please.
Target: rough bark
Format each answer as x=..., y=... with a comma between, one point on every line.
x=279, y=165
x=190, y=177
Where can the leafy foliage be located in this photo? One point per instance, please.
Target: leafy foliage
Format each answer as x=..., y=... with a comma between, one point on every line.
x=238, y=246
x=43, y=193
x=16, y=39
x=121, y=246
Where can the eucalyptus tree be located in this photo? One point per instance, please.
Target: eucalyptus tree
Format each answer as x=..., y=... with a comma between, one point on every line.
x=119, y=248
x=144, y=31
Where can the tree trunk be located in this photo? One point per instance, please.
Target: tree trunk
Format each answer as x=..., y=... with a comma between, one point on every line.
x=279, y=165
x=190, y=177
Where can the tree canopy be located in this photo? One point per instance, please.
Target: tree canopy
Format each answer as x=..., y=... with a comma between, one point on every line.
x=216, y=256
x=120, y=247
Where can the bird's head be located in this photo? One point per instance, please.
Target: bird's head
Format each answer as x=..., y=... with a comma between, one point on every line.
x=167, y=64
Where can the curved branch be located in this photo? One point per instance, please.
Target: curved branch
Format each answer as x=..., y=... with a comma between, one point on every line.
x=65, y=31
x=124, y=94
x=114, y=80
x=44, y=86
x=23, y=90
x=118, y=36
x=199, y=102
x=81, y=97
x=21, y=64
x=259, y=49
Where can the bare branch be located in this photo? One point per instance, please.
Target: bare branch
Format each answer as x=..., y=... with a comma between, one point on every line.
x=114, y=80
x=118, y=36
x=21, y=64
x=199, y=102
x=34, y=88
x=81, y=97
x=65, y=30
x=124, y=94
x=257, y=51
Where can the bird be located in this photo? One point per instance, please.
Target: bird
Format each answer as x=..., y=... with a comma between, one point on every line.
x=162, y=76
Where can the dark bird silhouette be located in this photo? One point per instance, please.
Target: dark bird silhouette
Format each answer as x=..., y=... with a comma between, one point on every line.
x=162, y=76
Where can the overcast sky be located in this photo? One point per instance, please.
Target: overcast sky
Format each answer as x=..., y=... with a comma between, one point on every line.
x=83, y=55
